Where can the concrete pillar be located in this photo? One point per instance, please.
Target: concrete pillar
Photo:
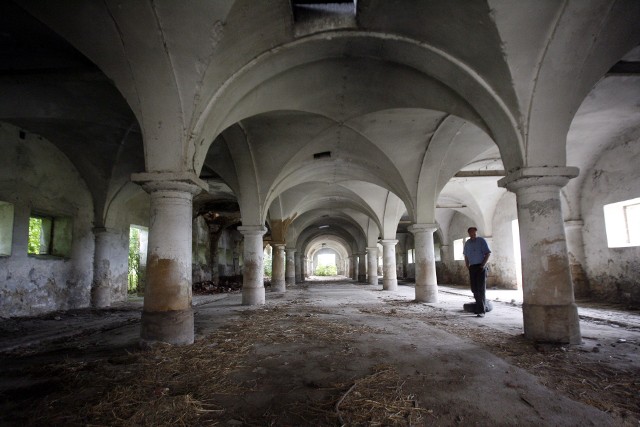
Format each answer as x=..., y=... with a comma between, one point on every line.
x=425, y=262
x=575, y=248
x=290, y=269
x=253, y=275
x=104, y=252
x=446, y=256
x=389, y=274
x=362, y=267
x=167, y=315
x=400, y=265
x=277, y=268
x=372, y=265
x=549, y=310
x=298, y=267
x=305, y=268
x=352, y=267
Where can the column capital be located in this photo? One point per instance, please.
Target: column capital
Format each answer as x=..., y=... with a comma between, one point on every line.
x=557, y=176
x=170, y=181
x=104, y=230
x=385, y=242
x=277, y=245
x=372, y=248
x=422, y=228
x=252, y=230
x=290, y=250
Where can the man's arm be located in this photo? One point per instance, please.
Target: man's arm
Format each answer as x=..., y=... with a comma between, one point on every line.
x=486, y=258
x=466, y=261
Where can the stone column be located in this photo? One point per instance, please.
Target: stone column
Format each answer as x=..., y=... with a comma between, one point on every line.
x=105, y=250
x=352, y=266
x=389, y=274
x=167, y=315
x=446, y=254
x=253, y=255
x=549, y=310
x=372, y=265
x=425, y=262
x=305, y=268
x=298, y=267
x=290, y=269
x=277, y=268
x=400, y=272
x=362, y=267
x=575, y=248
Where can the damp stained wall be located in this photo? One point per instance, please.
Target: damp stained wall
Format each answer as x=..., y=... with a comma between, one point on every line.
x=36, y=177
x=613, y=273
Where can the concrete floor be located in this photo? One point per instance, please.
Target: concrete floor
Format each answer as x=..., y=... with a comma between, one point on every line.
x=451, y=361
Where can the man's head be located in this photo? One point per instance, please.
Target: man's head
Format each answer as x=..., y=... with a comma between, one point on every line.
x=472, y=232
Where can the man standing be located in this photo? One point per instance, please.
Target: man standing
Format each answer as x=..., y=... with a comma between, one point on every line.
x=476, y=254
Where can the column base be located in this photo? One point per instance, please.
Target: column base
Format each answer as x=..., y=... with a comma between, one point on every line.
x=278, y=286
x=253, y=296
x=101, y=297
x=372, y=280
x=427, y=293
x=558, y=324
x=362, y=278
x=171, y=327
x=389, y=284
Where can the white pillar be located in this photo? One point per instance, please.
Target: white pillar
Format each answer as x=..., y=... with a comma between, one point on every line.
x=277, y=268
x=575, y=248
x=352, y=266
x=389, y=274
x=305, y=268
x=105, y=250
x=290, y=269
x=362, y=267
x=425, y=262
x=549, y=310
x=167, y=315
x=253, y=267
x=372, y=265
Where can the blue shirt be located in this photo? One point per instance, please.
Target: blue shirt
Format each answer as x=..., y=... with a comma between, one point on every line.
x=475, y=250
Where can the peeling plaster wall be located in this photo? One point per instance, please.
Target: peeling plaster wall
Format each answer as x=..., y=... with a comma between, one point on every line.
x=34, y=175
x=614, y=273
x=502, y=263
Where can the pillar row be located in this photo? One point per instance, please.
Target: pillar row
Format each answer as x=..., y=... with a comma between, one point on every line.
x=277, y=268
x=167, y=315
x=425, y=262
x=549, y=310
x=389, y=274
x=253, y=274
x=372, y=265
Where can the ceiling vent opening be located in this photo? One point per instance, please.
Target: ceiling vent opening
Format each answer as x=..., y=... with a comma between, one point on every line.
x=323, y=155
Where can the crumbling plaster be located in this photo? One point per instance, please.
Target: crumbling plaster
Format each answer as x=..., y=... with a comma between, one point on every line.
x=37, y=177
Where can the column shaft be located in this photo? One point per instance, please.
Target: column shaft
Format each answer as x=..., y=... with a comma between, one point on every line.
x=298, y=266
x=277, y=268
x=362, y=267
x=549, y=309
x=167, y=315
x=425, y=263
x=389, y=274
x=290, y=269
x=372, y=267
x=102, y=278
x=253, y=275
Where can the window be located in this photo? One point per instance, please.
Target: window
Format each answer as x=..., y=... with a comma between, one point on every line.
x=458, y=247
x=49, y=235
x=622, y=222
x=410, y=256
x=6, y=228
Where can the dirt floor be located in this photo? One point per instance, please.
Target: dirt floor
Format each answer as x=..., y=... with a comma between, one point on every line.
x=322, y=354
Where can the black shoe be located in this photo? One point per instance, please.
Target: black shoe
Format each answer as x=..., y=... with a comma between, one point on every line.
x=480, y=315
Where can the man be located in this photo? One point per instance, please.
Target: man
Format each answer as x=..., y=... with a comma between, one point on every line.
x=476, y=254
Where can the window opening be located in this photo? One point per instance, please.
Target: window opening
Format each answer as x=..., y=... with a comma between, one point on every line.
x=458, y=248
x=326, y=265
x=138, y=242
x=49, y=236
x=622, y=223
x=6, y=228
x=410, y=256
x=517, y=257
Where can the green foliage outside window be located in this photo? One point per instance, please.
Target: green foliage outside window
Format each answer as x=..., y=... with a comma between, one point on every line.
x=35, y=234
x=134, y=259
x=267, y=264
x=326, y=270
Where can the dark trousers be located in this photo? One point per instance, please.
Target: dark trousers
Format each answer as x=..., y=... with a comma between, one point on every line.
x=478, y=279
